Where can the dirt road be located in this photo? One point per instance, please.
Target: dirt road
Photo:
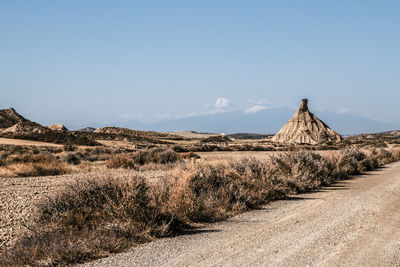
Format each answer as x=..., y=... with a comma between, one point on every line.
x=21, y=142
x=354, y=223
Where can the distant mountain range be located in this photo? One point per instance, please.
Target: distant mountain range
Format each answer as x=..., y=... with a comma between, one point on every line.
x=268, y=121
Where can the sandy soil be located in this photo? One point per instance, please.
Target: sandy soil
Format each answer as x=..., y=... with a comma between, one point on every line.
x=354, y=223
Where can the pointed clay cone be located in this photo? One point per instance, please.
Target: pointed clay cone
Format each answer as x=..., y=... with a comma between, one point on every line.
x=305, y=128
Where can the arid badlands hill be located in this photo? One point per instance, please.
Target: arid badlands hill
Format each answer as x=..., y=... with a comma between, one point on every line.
x=13, y=125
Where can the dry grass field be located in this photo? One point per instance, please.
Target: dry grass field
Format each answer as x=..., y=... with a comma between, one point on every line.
x=55, y=197
x=21, y=142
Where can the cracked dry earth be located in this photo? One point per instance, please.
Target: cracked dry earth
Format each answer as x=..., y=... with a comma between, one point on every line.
x=353, y=223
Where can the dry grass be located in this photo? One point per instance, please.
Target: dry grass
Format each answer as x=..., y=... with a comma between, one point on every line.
x=156, y=155
x=121, y=161
x=95, y=217
x=152, y=156
x=34, y=165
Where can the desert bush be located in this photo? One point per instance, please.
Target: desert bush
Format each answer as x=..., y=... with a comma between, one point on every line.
x=396, y=153
x=302, y=171
x=189, y=155
x=216, y=139
x=350, y=162
x=71, y=158
x=31, y=158
x=214, y=191
x=91, y=218
x=40, y=169
x=155, y=155
x=35, y=165
x=121, y=161
x=179, y=148
x=69, y=148
x=384, y=156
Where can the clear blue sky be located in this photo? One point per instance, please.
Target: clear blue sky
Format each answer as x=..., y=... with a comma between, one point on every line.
x=79, y=62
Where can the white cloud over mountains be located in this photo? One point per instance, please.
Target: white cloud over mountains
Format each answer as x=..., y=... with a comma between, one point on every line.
x=221, y=103
x=255, y=109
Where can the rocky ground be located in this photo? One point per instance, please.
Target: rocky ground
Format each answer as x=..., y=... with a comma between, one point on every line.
x=17, y=198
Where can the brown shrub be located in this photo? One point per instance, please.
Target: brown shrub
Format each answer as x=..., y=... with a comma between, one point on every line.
x=383, y=156
x=396, y=153
x=71, y=158
x=350, y=162
x=121, y=161
x=189, y=155
x=302, y=171
x=69, y=148
x=91, y=218
x=155, y=155
x=40, y=169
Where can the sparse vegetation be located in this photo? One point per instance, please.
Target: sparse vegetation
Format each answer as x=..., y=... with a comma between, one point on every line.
x=156, y=155
x=72, y=158
x=91, y=218
x=28, y=164
x=98, y=216
x=121, y=161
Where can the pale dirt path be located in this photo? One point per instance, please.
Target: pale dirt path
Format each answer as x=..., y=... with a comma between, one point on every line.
x=354, y=223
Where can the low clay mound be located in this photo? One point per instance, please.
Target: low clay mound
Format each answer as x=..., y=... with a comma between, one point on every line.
x=133, y=133
x=306, y=128
x=58, y=127
x=395, y=133
x=251, y=136
x=217, y=139
x=125, y=134
x=87, y=130
x=114, y=130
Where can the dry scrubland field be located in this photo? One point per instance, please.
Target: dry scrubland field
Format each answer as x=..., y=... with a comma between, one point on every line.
x=64, y=204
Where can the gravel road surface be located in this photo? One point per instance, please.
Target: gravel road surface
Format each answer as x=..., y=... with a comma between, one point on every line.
x=354, y=223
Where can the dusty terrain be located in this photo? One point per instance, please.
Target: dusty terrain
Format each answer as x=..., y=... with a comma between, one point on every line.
x=354, y=223
x=17, y=196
